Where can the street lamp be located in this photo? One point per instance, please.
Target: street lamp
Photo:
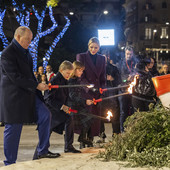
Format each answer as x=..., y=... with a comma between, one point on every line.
x=105, y=12
x=71, y=13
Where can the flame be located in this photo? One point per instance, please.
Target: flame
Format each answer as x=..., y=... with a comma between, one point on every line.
x=90, y=86
x=109, y=115
x=132, y=84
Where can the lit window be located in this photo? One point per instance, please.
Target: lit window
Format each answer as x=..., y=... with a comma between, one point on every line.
x=164, y=33
x=148, y=33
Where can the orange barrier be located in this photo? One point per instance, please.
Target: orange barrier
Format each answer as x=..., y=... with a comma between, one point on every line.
x=162, y=84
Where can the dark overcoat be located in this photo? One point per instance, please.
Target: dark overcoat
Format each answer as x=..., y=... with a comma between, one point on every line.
x=82, y=119
x=17, y=86
x=93, y=74
x=54, y=99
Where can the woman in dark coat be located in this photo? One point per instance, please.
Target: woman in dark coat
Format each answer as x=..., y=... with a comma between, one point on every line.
x=144, y=91
x=94, y=73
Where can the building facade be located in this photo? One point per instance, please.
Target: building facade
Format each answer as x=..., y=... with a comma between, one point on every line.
x=147, y=27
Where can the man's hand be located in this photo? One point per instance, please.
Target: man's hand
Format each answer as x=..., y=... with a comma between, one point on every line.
x=42, y=87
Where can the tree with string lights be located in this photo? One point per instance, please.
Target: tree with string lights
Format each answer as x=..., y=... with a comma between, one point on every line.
x=23, y=11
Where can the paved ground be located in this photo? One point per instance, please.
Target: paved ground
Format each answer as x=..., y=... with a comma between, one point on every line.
x=29, y=140
x=83, y=161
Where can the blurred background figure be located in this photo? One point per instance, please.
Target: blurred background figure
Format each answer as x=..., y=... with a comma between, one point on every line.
x=40, y=73
x=127, y=70
x=164, y=70
x=44, y=81
x=113, y=79
x=49, y=73
x=36, y=74
x=151, y=65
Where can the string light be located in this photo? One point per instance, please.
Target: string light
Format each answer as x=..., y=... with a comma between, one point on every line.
x=56, y=40
x=2, y=35
x=40, y=34
x=24, y=20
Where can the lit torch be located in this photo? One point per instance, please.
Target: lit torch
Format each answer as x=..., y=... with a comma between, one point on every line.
x=109, y=115
x=132, y=84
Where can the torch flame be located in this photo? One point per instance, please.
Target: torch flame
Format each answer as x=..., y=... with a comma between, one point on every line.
x=90, y=86
x=132, y=84
x=109, y=115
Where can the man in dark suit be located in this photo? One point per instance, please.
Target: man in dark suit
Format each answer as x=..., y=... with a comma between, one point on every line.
x=20, y=98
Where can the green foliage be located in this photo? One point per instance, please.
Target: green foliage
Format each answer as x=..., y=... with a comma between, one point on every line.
x=145, y=140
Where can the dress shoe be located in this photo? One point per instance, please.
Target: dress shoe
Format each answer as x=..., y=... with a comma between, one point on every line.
x=85, y=141
x=72, y=150
x=47, y=155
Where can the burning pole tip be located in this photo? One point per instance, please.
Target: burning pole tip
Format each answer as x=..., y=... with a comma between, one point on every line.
x=132, y=84
x=90, y=86
x=109, y=115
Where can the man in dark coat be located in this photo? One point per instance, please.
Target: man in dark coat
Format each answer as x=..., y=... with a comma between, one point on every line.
x=20, y=98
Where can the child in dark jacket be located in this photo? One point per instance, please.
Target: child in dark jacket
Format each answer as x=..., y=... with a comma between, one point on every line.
x=82, y=122
x=56, y=100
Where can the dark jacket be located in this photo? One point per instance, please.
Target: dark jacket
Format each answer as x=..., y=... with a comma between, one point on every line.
x=144, y=87
x=114, y=72
x=78, y=102
x=54, y=99
x=126, y=68
x=17, y=86
x=93, y=74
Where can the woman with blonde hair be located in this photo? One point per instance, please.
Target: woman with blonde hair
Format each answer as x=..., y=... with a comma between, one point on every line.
x=94, y=73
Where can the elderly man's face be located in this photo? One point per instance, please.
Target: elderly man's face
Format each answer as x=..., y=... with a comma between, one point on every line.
x=128, y=54
x=25, y=40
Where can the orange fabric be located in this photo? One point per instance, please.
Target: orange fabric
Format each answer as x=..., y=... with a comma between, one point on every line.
x=162, y=84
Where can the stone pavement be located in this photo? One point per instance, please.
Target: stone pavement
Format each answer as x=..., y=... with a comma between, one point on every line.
x=68, y=161
x=29, y=140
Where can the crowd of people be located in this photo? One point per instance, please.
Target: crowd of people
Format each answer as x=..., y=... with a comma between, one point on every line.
x=25, y=96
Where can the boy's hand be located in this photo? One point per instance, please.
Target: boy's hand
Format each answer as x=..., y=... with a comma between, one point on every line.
x=65, y=108
x=89, y=102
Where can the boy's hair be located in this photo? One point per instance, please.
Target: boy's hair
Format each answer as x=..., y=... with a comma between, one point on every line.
x=77, y=65
x=66, y=65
